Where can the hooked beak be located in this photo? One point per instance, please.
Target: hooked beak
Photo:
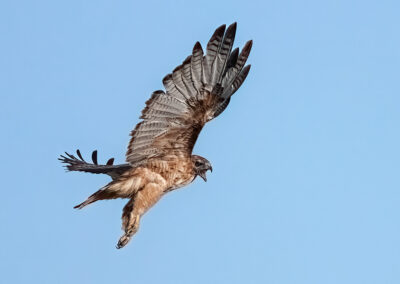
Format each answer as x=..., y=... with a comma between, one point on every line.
x=203, y=175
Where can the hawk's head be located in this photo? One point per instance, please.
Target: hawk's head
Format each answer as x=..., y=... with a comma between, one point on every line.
x=201, y=166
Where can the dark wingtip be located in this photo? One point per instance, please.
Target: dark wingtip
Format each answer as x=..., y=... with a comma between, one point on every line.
x=110, y=162
x=231, y=30
x=197, y=44
x=177, y=68
x=248, y=45
x=197, y=47
x=232, y=58
x=94, y=157
x=220, y=30
x=244, y=54
x=79, y=154
x=187, y=60
x=219, y=33
x=245, y=72
x=166, y=78
x=69, y=155
x=157, y=92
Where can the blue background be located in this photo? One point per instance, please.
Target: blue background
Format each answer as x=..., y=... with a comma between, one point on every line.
x=306, y=159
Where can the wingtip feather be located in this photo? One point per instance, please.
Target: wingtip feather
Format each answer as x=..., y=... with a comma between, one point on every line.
x=79, y=154
x=94, y=157
x=197, y=46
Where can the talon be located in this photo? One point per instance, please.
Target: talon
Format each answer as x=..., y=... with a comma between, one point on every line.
x=122, y=242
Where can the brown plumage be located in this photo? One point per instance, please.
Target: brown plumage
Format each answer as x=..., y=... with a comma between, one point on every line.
x=159, y=157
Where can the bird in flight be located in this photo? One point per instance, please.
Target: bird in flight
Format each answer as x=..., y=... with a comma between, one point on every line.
x=159, y=156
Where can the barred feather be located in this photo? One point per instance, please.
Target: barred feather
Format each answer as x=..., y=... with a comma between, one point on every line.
x=223, y=53
x=159, y=153
x=233, y=72
x=196, y=92
x=178, y=82
x=231, y=60
x=196, y=66
x=171, y=88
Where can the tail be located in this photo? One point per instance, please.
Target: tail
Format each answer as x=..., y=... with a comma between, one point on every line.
x=80, y=165
x=93, y=198
x=106, y=192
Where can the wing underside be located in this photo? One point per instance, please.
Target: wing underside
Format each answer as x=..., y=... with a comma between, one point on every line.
x=197, y=91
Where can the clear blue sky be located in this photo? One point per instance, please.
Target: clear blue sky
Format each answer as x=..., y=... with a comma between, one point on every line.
x=306, y=159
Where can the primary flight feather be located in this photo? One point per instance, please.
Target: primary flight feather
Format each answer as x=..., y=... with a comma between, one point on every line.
x=159, y=157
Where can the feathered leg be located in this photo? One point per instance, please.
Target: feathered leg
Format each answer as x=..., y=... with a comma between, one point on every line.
x=130, y=223
x=135, y=208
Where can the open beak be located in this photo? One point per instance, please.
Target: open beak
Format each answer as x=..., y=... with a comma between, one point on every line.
x=203, y=175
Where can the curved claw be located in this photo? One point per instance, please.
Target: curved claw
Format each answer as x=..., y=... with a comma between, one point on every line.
x=123, y=241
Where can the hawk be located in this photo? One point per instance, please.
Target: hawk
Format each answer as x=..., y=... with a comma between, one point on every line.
x=159, y=156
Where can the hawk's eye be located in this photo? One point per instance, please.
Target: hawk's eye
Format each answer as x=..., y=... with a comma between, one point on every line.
x=197, y=164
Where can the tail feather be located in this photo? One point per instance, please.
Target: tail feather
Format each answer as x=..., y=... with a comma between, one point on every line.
x=93, y=198
x=85, y=203
x=101, y=194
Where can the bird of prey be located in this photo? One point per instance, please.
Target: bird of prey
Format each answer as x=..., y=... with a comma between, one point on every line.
x=159, y=156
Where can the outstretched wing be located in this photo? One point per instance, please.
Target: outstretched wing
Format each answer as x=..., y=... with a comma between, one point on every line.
x=196, y=92
x=73, y=163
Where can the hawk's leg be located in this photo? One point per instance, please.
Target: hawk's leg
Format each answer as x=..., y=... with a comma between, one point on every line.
x=135, y=208
x=130, y=223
